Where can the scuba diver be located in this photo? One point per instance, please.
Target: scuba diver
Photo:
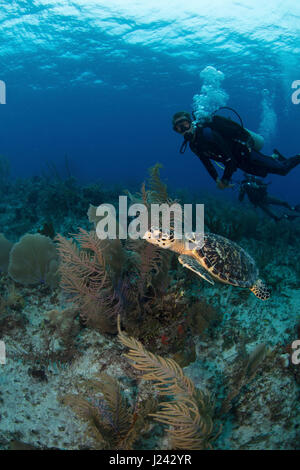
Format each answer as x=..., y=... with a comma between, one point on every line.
x=257, y=193
x=231, y=144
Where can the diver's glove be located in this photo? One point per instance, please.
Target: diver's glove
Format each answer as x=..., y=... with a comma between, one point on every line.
x=222, y=184
x=278, y=155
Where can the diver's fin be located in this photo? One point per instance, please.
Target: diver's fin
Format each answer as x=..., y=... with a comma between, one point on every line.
x=297, y=208
x=194, y=265
x=290, y=216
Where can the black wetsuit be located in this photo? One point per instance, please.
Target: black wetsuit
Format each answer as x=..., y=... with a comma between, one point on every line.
x=227, y=142
x=257, y=194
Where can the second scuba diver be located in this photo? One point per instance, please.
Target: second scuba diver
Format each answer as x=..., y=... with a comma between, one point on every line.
x=225, y=141
x=257, y=193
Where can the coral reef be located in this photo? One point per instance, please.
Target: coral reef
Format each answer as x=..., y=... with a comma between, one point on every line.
x=230, y=355
x=5, y=247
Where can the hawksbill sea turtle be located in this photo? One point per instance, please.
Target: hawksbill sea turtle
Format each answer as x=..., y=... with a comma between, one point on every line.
x=213, y=257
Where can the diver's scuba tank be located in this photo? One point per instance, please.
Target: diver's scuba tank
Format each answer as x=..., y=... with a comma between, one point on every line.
x=258, y=140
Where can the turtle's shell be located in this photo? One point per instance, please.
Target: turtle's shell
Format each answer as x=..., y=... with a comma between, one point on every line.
x=227, y=261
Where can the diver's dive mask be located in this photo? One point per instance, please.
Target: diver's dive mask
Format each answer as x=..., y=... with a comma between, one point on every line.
x=182, y=125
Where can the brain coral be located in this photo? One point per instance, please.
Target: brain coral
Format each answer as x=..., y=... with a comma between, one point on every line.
x=34, y=260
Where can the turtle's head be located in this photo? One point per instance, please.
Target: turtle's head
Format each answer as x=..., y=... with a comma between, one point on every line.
x=159, y=238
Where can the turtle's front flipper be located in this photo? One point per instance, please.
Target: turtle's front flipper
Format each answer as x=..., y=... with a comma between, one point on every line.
x=194, y=265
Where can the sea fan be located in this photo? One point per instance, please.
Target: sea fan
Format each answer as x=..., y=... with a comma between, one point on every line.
x=112, y=422
x=85, y=278
x=188, y=415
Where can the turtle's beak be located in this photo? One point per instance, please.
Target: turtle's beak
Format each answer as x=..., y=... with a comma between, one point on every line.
x=147, y=235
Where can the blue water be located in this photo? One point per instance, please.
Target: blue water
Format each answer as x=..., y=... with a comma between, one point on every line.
x=99, y=81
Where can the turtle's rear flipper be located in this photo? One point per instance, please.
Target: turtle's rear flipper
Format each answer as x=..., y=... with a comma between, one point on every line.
x=192, y=264
x=261, y=290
